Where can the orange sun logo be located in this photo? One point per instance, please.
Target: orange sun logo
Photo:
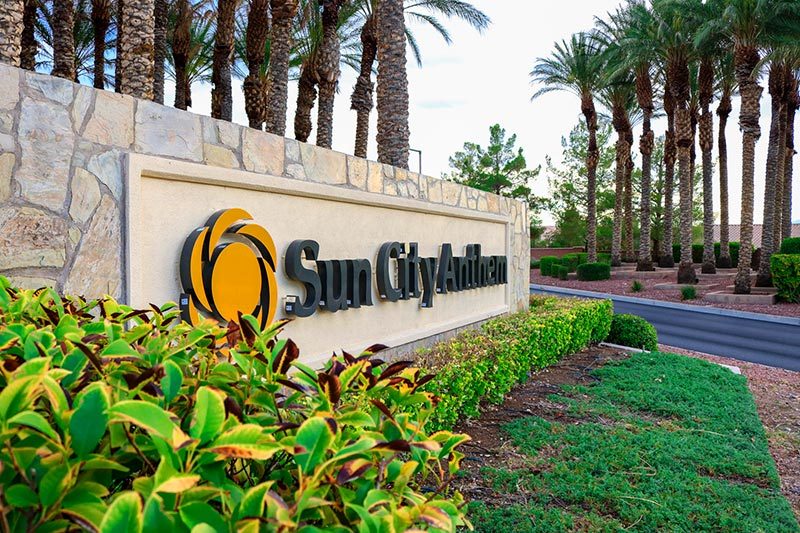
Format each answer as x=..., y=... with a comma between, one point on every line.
x=224, y=279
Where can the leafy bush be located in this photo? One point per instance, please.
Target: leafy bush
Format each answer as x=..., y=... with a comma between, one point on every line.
x=534, y=264
x=121, y=420
x=583, y=257
x=633, y=331
x=786, y=276
x=571, y=261
x=697, y=253
x=546, y=263
x=637, y=286
x=604, y=258
x=688, y=293
x=594, y=271
x=790, y=246
x=563, y=272
x=485, y=364
x=734, y=252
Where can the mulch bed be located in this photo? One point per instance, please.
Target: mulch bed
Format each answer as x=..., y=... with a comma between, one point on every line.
x=623, y=287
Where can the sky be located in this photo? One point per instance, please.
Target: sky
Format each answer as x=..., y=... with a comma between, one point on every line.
x=483, y=78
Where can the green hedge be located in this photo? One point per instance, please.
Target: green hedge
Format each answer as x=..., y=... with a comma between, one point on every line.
x=563, y=272
x=485, y=364
x=791, y=246
x=546, y=263
x=733, y=247
x=697, y=253
x=786, y=276
x=633, y=331
x=571, y=261
x=534, y=263
x=594, y=271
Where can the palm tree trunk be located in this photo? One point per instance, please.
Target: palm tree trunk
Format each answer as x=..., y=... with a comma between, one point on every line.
x=221, y=91
x=628, y=244
x=328, y=71
x=644, y=95
x=393, y=129
x=29, y=45
x=11, y=26
x=63, y=39
x=683, y=130
x=136, y=47
x=706, y=123
x=777, y=224
x=776, y=85
x=101, y=19
x=306, y=96
x=361, y=100
x=159, y=48
x=283, y=12
x=181, y=42
x=746, y=60
x=592, y=159
x=256, y=37
x=118, y=46
x=667, y=260
x=619, y=184
x=793, y=102
x=723, y=111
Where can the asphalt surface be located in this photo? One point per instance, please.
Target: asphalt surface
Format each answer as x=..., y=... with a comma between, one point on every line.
x=754, y=337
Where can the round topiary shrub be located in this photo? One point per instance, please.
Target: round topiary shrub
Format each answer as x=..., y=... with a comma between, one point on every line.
x=791, y=246
x=563, y=272
x=594, y=271
x=633, y=331
x=786, y=276
x=546, y=263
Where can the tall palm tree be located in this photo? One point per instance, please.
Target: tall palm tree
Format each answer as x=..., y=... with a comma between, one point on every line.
x=328, y=70
x=181, y=46
x=101, y=21
x=11, y=26
x=706, y=95
x=393, y=129
x=727, y=85
x=256, y=35
x=283, y=12
x=160, y=12
x=576, y=66
x=793, y=103
x=63, y=39
x=136, y=48
x=221, y=91
x=424, y=11
x=191, y=48
x=30, y=46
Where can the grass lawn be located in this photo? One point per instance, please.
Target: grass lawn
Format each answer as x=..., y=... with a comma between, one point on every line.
x=657, y=442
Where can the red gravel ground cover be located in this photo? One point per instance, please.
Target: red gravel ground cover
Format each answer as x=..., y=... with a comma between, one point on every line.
x=777, y=395
x=623, y=287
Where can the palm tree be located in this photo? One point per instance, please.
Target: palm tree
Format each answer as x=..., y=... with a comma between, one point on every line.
x=328, y=70
x=706, y=95
x=727, y=85
x=101, y=21
x=160, y=12
x=576, y=66
x=283, y=12
x=256, y=35
x=424, y=11
x=393, y=130
x=63, y=39
x=221, y=91
x=793, y=103
x=29, y=45
x=136, y=48
x=191, y=49
x=11, y=26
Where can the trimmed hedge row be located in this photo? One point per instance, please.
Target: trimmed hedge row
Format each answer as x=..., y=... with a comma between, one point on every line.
x=546, y=263
x=697, y=254
x=594, y=271
x=485, y=364
x=786, y=276
x=791, y=246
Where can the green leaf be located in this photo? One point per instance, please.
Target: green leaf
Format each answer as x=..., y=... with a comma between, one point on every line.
x=90, y=419
x=314, y=437
x=36, y=421
x=155, y=517
x=53, y=483
x=21, y=496
x=356, y=418
x=209, y=414
x=101, y=463
x=246, y=441
x=151, y=418
x=119, y=348
x=124, y=515
x=252, y=504
x=197, y=513
x=87, y=515
x=172, y=380
x=17, y=395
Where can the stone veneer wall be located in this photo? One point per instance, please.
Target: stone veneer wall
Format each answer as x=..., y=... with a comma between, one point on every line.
x=62, y=178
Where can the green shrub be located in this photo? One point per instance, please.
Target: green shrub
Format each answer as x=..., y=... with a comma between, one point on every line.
x=546, y=263
x=688, y=293
x=483, y=365
x=633, y=331
x=534, y=263
x=637, y=286
x=697, y=253
x=790, y=246
x=733, y=247
x=122, y=420
x=571, y=261
x=594, y=271
x=563, y=272
x=786, y=276
x=604, y=258
x=583, y=257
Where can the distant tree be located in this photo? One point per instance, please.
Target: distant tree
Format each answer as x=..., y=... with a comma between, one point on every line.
x=500, y=168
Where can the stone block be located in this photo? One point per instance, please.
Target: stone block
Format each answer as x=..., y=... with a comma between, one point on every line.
x=357, y=172
x=219, y=157
x=375, y=177
x=9, y=87
x=31, y=238
x=85, y=196
x=46, y=141
x=263, y=152
x=45, y=86
x=111, y=122
x=230, y=134
x=97, y=269
x=32, y=282
x=434, y=190
x=84, y=97
x=6, y=169
x=324, y=166
x=107, y=166
x=725, y=297
x=451, y=193
x=162, y=130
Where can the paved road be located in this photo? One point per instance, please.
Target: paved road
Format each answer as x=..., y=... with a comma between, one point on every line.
x=754, y=337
